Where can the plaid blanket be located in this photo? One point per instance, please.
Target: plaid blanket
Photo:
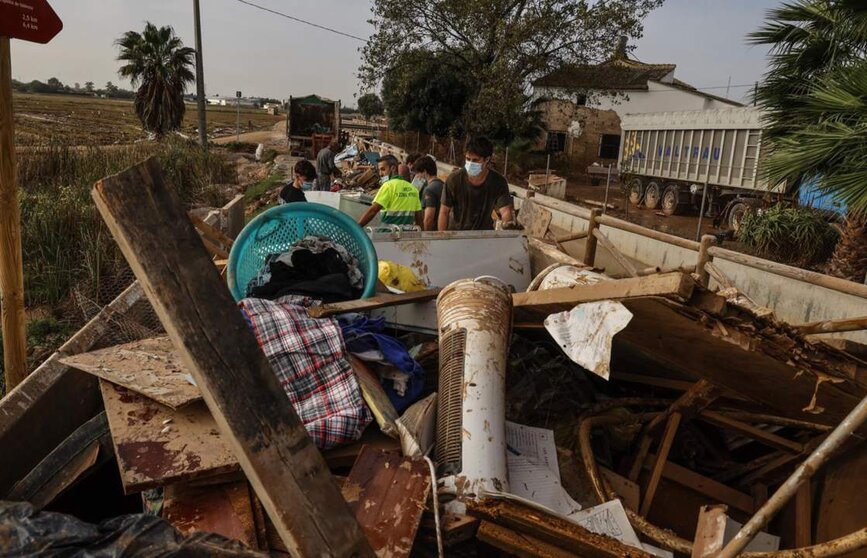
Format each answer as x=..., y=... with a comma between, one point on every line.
x=309, y=359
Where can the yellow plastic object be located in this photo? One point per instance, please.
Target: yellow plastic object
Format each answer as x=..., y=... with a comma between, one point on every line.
x=399, y=277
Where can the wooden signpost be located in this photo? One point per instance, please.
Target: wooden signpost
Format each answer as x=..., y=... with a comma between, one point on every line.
x=34, y=21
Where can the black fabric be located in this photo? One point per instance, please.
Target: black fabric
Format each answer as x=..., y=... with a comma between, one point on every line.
x=322, y=276
x=472, y=205
x=26, y=532
x=431, y=196
x=291, y=194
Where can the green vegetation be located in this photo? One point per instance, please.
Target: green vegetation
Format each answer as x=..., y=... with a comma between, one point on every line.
x=796, y=235
x=815, y=100
x=370, y=105
x=259, y=189
x=157, y=61
x=43, y=335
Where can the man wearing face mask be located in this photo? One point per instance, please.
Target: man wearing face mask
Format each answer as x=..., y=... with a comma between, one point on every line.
x=430, y=189
x=305, y=180
x=475, y=191
x=397, y=199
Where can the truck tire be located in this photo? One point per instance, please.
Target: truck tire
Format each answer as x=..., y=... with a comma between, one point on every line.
x=636, y=191
x=736, y=215
x=652, y=194
x=671, y=199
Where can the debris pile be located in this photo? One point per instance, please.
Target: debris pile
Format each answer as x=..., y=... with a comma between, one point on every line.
x=586, y=416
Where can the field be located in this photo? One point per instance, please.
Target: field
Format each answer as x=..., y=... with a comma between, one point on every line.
x=77, y=120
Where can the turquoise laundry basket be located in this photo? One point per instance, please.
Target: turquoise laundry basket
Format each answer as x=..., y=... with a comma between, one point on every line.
x=276, y=229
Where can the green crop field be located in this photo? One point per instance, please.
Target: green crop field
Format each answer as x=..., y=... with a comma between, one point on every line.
x=78, y=120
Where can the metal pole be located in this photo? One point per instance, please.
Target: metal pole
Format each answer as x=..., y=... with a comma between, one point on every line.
x=701, y=212
x=200, y=79
x=238, y=120
x=547, y=171
x=607, y=186
x=506, y=165
x=12, y=321
x=802, y=474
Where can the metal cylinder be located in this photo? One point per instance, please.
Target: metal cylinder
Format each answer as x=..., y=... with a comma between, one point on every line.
x=475, y=317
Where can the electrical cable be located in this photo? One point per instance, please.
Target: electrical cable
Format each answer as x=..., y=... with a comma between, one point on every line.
x=299, y=20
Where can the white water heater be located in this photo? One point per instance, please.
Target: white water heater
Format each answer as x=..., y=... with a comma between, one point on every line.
x=475, y=322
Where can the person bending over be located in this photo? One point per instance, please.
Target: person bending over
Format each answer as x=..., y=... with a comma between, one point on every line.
x=397, y=199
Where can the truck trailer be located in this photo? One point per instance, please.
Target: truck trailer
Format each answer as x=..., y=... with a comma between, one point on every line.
x=311, y=123
x=667, y=158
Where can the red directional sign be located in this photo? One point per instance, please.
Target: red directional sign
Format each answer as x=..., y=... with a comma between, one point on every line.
x=29, y=20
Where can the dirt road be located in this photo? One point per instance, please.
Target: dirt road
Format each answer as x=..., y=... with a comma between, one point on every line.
x=275, y=138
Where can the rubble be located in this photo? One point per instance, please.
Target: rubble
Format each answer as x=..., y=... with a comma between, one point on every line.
x=671, y=435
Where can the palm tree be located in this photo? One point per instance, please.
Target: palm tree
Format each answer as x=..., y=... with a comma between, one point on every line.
x=157, y=61
x=815, y=99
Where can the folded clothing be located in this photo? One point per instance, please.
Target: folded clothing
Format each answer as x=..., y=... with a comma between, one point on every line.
x=364, y=338
x=314, y=266
x=309, y=358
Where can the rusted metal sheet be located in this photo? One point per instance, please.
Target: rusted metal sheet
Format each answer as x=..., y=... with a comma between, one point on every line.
x=156, y=445
x=225, y=509
x=150, y=367
x=387, y=494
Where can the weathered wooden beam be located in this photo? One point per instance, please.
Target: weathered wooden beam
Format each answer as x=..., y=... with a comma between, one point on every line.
x=704, y=258
x=676, y=285
x=833, y=326
x=284, y=467
x=751, y=431
x=714, y=271
x=590, y=245
x=551, y=529
x=518, y=544
x=622, y=260
x=659, y=463
x=804, y=515
x=213, y=233
x=372, y=303
x=710, y=531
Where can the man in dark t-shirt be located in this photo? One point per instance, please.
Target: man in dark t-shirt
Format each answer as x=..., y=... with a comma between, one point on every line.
x=475, y=191
x=430, y=189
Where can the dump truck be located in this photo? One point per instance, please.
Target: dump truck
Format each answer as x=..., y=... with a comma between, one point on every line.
x=667, y=158
x=311, y=123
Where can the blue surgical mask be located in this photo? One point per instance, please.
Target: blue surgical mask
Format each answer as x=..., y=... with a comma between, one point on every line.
x=306, y=186
x=384, y=179
x=473, y=169
x=419, y=182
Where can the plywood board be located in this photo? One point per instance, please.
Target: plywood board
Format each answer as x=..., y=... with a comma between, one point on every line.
x=151, y=367
x=156, y=445
x=387, y=493
x=225, y=509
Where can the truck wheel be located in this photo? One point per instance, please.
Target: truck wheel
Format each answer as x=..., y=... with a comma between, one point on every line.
x=737, y=212
x=652, y=195
x=670, y=199
x=636, y=191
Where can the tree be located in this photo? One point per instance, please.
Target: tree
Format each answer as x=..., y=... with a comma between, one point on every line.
x=497, y=46
x=77, y=86
x=110, y=89
x=815, y=99
x=55, y=84
x=370, y=105
x=88, y=86
x=157, y=62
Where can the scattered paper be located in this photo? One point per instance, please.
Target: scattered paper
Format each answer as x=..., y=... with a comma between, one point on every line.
x=585, y=333
x=608, y=519
x=534, y=473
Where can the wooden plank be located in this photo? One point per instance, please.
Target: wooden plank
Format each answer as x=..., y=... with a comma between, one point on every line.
x=622, y=260
x=629, y=492
x=551, y=529
x=534, y=218
x=374, y=395
x=753, y=432
x=710, y=531
x=372, y=303
x=387, y=493
x=213, y=233
x=590, y=244
x=55, y=400
x=69, y=461
x=225, y=509
x=833, y=326
x=156, y=445
x=544, y=303
x=659, y=462
x=718, y=492
x=804, y=515
x=214, y=249
x=656, y=381
x=518, y=544
x=151, y=367
x=12, y=318
x=757, y=360
x=265, y=434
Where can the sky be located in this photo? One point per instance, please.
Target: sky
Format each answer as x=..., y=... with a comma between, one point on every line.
x=265, y=55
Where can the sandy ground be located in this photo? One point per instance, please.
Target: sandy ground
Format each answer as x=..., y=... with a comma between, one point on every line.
x=275, y=138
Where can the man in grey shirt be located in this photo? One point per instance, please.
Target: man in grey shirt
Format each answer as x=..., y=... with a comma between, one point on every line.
x=326, y=168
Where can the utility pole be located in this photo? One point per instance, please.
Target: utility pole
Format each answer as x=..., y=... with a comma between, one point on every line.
x=238, y=117
x=200, y=79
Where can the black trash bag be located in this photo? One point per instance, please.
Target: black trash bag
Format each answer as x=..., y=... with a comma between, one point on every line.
x=26, y=532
